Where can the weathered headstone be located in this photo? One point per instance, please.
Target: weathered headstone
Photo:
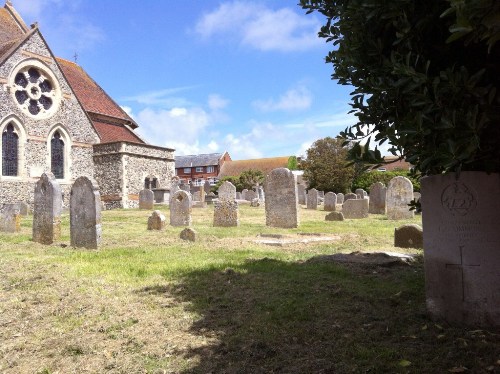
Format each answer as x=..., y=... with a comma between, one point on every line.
x=281, y=202
x=301, y=193
x=408, y=236
x=398, y=196
x=334, y=216
x=10, y=218
x=250, y=195
x=210, y=198
x=180, y=209
x=350, y=196
x=156, y=221
x=312, y=199
x=47, y=210
x=238, y=195
x=227, y=191
x=355, y=208
x=377, y=198
x=340, y=198
x=460, y=216
x=226, y=213
x=330, y=203
x=188, y=234
x=185, y=187
x=255, y=203
x=146, y=199
x=160, y=194
x=244, y=194
x=207, y=187
x=24, y=208
x=360, y=193
x=85, y=214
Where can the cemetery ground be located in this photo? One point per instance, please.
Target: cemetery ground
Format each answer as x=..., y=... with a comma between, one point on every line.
x=148, y=302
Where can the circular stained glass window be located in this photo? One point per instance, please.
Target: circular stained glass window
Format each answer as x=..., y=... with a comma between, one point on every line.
x=35, y=89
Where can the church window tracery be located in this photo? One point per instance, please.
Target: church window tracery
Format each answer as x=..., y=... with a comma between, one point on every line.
x=57, y=155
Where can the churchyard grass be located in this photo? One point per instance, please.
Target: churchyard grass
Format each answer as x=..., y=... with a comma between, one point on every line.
x=147, y=301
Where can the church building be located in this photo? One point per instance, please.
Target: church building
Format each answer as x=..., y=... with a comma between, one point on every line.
x=55, y=117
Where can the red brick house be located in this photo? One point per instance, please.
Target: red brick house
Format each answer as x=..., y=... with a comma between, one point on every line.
x=196, y=169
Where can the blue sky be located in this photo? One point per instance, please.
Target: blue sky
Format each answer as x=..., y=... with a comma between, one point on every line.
x=207, y=76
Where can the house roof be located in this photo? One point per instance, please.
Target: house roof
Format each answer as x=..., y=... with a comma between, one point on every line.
x=265, y=165
x=395, y=163
x=198, y=160
x=12, y=29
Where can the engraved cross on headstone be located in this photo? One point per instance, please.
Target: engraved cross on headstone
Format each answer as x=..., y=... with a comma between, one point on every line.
x=461, y=266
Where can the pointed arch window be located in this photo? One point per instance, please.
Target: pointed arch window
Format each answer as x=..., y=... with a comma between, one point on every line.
x=57, y=155
x=10, y=149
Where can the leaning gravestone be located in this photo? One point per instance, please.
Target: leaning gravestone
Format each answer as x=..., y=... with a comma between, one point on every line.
x=340, y=198
x=398, y=196
x=355, y=208
x=47, y=210
x=180, y=209
x=281, y=204
x=156, y=221
x=226, y=213
x=312, y=199
x=227, y=191
x=10, y=218
x=85, y=214
x=301, y=192
x=408, y=236
x=330, y=202
x=146, y=199
x=377, y=198
x=350, y=196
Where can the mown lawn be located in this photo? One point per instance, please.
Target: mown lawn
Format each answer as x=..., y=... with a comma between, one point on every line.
x=148, y=302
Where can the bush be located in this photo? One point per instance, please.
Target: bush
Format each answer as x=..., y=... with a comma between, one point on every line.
x=366, y=179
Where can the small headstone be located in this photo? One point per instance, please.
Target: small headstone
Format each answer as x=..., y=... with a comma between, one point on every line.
x=85, y=214
x=238, y=195
x=146, y=199
x=340, y=198
x=355, y=208
x=10, y=218
x=377, y=198
x=312, y=199
x=47, y=210
x=408, y=236
x=398, y=196
x=180, y=209
x=281, y=202
x=301, y=193
x=156, y=221
x=24, y=208
x=361, y=193
x=226, y=213
x=255, y=203
x=330, y=202
x=227, y=191
x=350, y=196
x=210, y=198
x=207, y=187
x=334, y=216
x=188, y=234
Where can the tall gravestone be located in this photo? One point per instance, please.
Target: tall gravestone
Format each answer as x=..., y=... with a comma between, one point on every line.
x=180, y=209
x=85, y=214
x=47, y=210
x=227, y=191
x=460, y=218
x=226, y=213
x=281, y=205
x=174, y=187
x=10, y=218
x=398, y=196
x=301, y=193
x=330, y=202
x=146, y=199
x=312, y=199
x=340, y=198
x=377, y=198
x=207, y=187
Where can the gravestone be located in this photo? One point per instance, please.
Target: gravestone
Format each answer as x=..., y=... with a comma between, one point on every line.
x=260, y=193
x=408, y=236
x=312, y=199
x=207, y=187
x=250, y=195
x=398, y=196
x=24, y=208
x=301, y=193
x=355, y=208
x=10, y=218
x=185, y=187
x=377, y=198
x=350, y=196
x=156, y=221
x=180, y=209
x=210, y=198
x=47, y=209
x=227, y=191
x=188, y=234
x=340, y=198
x=238, y=195
x=159, y=195
x=174, y=187
x=244, y=194
x=360, y=193
x=255, y=203
x=85, y=214
x=460, y=218
x=330, y=203
x=226, y=213
x=281, y=204
x=146, y=199
x=334, y=216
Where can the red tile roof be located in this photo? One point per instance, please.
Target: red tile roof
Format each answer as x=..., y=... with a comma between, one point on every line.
x=265, y=165
x=109, y=132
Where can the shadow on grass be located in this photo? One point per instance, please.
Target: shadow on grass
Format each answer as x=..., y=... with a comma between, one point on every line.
x=272, y=316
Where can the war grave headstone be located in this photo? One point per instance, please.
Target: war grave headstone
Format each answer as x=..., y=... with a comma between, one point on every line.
x=355, y=208
x=85, y=214
x=398, y=196
x=146, y=199
x=301, y=193
x=226, y=213
x=377, y=198
x=408, y=236
x=334, y=216
x=350, y=196
x=461, y=244
x=227, y=191
x=281, y=204
x=10, y=218
x=47, y=210
x=180, y=209
x=330, y=204
x=340, y=198
x=156, y=221
x=312, y=199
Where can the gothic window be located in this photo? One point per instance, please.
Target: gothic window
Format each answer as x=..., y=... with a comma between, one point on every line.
x=146, y=184
x=154, y=183
x=57, y=155
x=10, y=142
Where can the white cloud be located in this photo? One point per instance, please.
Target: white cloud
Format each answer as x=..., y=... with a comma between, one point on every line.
x=217, y=102
x=295, y=99
x=213, y=146
x=163, y=97
x=260, y=27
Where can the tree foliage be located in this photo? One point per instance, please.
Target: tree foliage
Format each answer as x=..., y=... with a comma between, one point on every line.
x=293, y=163
x=426, y=78
x=325, y=167
x=247, y=179
x=366, y=179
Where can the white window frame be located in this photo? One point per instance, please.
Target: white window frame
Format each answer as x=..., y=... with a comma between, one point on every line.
x=186, y=170
x=210, y=169
x=199, y=169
